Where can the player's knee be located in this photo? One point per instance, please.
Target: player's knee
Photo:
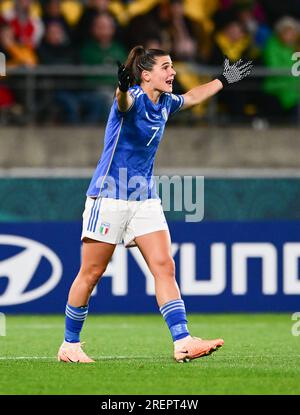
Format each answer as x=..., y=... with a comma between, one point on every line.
x=165, y=266
x=93, y=273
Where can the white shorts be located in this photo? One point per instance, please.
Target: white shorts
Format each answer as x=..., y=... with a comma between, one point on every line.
x=118, y=221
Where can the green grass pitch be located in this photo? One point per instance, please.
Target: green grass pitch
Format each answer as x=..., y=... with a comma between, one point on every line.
x=134, y=356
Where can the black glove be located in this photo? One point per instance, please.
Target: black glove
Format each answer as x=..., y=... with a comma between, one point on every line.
x=123, y=77
x=235, y=72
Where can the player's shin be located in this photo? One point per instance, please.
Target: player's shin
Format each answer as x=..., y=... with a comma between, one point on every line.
x=75, y=317
x=175, y=316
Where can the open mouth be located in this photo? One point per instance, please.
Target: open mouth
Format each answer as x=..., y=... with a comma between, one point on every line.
x=170, y=82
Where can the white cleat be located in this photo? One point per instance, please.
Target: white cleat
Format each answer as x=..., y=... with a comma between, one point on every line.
x=72, y=353
x=196, y=347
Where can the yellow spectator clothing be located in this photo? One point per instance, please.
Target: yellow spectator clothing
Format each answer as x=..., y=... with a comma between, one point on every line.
x=7, y=5
x=197, y=10
x=201, y=11
x=71, y=10
x=118, y=10
x=124, y=13
x=21, y=55
x=235, y=50
x=141, y=7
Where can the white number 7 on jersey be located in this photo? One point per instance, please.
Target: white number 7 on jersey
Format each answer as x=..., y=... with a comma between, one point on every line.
x=155, y=132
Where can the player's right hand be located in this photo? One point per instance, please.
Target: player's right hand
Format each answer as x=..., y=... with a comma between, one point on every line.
x=123, y=77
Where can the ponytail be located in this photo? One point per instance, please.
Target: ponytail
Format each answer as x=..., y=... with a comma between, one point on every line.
x=139, y=60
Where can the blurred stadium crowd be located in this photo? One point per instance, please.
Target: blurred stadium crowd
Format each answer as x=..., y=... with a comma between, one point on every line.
x=197, y=34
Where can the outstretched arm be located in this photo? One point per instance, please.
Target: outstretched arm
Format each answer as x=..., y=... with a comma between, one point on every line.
x=200, y=93
x=231, y=74
x=124, y=99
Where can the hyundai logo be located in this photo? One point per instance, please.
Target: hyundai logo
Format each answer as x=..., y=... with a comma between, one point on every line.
x=20, y=269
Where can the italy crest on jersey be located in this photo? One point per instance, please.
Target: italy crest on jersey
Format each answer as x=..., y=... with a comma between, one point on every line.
x=164, y=113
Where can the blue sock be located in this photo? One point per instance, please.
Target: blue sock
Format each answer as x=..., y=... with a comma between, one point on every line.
x=75, y=317
x=174, y=314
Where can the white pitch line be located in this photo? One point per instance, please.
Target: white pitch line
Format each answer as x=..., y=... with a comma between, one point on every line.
x=94, y=357
x=25, y=357
x=223, y=357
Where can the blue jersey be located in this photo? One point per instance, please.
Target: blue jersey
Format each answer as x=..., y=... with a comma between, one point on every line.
x=125, y=168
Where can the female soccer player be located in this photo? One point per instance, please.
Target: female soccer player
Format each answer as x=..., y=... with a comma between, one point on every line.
x=116, y=212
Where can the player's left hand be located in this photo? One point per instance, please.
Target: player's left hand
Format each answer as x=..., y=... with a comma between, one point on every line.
x=235, y=72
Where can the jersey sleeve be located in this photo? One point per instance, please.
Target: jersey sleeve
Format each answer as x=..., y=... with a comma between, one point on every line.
x=129, y=109
x=176, y=102
x=135, y=95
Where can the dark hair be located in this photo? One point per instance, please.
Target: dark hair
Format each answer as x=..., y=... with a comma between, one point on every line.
x=139, y=60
